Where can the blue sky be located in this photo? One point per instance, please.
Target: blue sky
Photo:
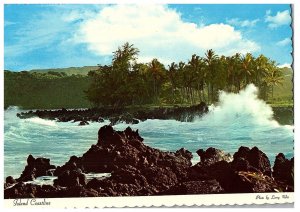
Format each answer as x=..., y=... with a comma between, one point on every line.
x=56, y=36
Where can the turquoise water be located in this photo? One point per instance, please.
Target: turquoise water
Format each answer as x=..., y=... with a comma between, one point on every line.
x=238, y=120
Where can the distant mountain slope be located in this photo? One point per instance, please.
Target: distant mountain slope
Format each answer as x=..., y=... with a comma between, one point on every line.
x=69, y=71
x=45, y=90
x=284, y=92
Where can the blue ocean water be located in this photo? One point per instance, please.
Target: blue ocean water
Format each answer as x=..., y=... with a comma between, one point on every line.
x=238, y=120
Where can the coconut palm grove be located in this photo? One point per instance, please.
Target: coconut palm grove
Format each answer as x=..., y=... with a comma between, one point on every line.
x=126, y=82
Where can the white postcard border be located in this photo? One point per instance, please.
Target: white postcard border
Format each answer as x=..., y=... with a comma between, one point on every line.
x=154, y=201
x=150, y=201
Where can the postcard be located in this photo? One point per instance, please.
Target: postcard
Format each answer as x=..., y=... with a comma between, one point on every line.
x=114, y=105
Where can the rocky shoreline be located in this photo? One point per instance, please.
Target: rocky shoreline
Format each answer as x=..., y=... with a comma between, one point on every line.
x=139, y=170
x=116, y=115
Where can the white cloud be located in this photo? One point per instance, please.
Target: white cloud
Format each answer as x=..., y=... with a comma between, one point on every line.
x=284, y=65
x=158, y=32
x=242, y=23
x=74, y=15
x=280, y=19
x=48, y=29
x=284, y=42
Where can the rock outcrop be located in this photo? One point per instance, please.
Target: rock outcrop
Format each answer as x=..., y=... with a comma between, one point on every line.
x=124, y=154
x=117, y=115
x=137, y=169
x=212, y=155
x=283, y=170
x=251, y=160
x=36, y=167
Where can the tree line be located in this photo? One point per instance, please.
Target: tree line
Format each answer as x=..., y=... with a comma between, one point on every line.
x=49, y=90
x=127, y=82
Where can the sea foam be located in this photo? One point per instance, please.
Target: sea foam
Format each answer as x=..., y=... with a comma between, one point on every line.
x=40, y=121
x=245, y=106
x=238, y=119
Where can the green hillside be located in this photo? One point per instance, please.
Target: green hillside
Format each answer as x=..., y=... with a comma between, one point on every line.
x=283, y=94
x=47, y=90
x=69, y=71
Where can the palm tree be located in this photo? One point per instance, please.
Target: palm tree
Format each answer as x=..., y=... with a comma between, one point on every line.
x=247, y=68
x=172, y=72
x=191, y=76
x=156, y=69
x=274, y=77
x=181, y=80
x=221, y=81
x=261, y=68
x=233, y=66
x=237, y=64
x=210, y=60
x=125, y=57
x=197, y=72
x=229, y=66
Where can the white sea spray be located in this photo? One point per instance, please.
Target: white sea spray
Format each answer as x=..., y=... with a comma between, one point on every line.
x=239, y=119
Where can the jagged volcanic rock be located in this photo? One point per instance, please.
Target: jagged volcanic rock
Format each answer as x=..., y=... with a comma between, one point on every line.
x=195, y=187
x=35, y=168
x=116, y=115
x=212, y=155
x=251, y=160
x=283, y=169
x=137, y=169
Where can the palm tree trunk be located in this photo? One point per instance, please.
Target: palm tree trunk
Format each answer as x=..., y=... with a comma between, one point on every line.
x=208, y=92
x=173, y=95
x=212, y=93
x=203, y=95
x=199, y=93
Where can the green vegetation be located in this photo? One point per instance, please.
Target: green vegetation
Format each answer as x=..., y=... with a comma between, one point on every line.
x=126, y=83
x=68, y=71
x=283, y=95
x=45, y=90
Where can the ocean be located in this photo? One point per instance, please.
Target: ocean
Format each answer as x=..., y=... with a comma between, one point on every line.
x=237, y=120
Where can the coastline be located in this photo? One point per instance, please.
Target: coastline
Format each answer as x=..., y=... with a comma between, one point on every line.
x=283, y=114
x=138, y=170
x=115, y=115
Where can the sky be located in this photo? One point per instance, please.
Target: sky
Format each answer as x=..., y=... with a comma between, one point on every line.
x=66, y=35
